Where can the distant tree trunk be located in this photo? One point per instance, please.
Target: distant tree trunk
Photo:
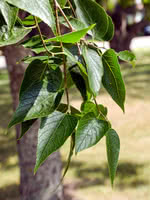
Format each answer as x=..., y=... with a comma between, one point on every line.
x=40, y=186
x=124, y=32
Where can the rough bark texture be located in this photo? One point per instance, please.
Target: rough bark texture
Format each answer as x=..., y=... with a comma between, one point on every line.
x=40, y=186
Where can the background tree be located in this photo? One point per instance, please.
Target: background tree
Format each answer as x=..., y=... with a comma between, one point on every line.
x=130, y=18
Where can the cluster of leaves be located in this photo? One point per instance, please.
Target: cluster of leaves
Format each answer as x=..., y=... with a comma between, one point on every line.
x=59, y=63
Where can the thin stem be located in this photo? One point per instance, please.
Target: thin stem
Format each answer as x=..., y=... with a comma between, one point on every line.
x=73, y=11
x=63, y=14
x=64, y=59
x=99, y=109
x=44, y=45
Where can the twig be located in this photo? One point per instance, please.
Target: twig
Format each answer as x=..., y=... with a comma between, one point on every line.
x=64, y=59
x=63, y=14
x=99, y=109
x=44, y=45
x=73, y=11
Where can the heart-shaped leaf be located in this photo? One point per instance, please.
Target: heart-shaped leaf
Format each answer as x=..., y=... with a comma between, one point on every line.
x=53, y=132
x=113, y=149
x=89, y=131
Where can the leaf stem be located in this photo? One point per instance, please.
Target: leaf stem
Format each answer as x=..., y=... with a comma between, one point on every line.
x=39, y=30
x=73, y=11
x=63, y=14
x=56, y=5
x=99, y=109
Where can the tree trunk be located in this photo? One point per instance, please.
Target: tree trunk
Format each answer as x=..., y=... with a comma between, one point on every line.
x=41, y=185
x=124, y=32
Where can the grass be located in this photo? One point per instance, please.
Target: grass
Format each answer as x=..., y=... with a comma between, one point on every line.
x=88, y=177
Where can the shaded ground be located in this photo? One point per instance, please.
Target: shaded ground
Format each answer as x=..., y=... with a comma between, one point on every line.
x=88, y=178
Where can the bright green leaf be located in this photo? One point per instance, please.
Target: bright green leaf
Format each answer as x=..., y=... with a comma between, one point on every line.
x=112, y=79
x=94, y=69
x=53, y=132
x=41, y=9
x=113, y=149
x=89, y=106
x=29, y=21
x=89, y=12
x=89, y=131
x=62, y=3
x=72, y=37
x=127, y=56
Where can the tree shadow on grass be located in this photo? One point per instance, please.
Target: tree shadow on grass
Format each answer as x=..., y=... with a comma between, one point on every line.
x=10, y=192
x=137, y=80
x=127, y=175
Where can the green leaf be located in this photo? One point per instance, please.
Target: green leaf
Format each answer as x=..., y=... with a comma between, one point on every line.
x=79, y=81
x=72, y=37
x=25, y=126
x=94, y=69
x=29, y=59
x=29, y=21
x=12, y=37
x=75, y=59
x=32, y=41
x=110, y=31
x=40, y=98
x=62, y=3
x=127, y=56
x=32, y=75
x=112, y=79
x=89, y=12
x=9, y=13
x=53, y=132
x=41, y=9
x=76, y=23
x=89, y=131
x=89, y=106
x=113, y=149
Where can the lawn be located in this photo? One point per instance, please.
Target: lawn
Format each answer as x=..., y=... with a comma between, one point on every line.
x=88, y=178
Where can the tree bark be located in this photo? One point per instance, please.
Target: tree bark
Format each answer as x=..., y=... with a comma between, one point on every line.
x=41, y=185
